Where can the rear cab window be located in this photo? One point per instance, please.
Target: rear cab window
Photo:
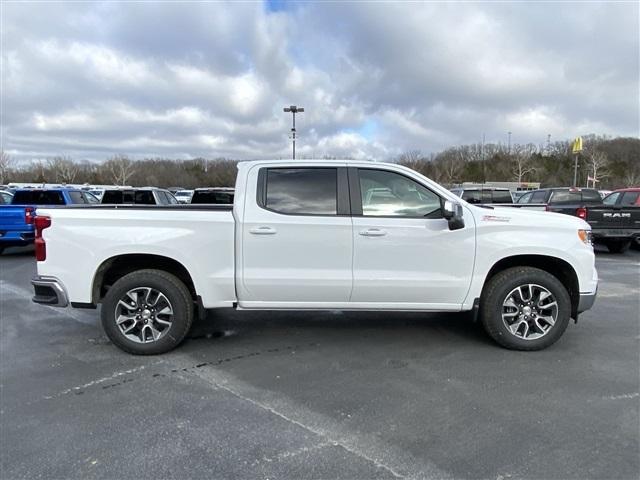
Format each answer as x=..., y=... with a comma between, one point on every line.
x=472, y=196
x=212, y=197
x=38, y=197
x=502, y=196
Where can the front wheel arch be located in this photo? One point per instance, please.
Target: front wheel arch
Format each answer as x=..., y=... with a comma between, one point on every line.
x=555, y=266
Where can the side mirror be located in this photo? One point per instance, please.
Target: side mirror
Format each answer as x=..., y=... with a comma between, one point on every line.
x=452, y=212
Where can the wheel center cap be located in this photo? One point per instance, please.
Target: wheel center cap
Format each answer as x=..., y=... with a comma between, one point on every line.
x=526, y=310
x=146, y=314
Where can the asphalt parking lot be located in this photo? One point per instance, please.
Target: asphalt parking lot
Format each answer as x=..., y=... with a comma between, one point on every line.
x=310, y=395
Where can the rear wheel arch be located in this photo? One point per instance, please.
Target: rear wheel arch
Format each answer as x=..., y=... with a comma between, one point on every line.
x=114, y=268
x=555, y=266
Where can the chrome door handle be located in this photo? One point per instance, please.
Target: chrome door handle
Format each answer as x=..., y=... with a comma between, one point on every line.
x=373, y=232
x=262, y=230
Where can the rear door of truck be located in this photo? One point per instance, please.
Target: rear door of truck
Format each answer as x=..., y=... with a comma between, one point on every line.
x=296, y=237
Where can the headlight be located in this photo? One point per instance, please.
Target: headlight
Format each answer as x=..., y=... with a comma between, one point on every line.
x=585, y=237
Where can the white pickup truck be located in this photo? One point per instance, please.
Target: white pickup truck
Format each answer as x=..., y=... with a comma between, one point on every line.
x=317, y=235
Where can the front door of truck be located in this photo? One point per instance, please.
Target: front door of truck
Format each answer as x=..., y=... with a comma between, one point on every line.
x=404, y=253
x=297, y=239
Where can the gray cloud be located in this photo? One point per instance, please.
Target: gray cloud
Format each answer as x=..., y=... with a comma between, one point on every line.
x=210, y=79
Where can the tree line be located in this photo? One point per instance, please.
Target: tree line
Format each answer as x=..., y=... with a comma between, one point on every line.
x=612, y=162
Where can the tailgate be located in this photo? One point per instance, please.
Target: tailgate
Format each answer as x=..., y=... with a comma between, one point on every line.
x=617, y=221
x=12, y=218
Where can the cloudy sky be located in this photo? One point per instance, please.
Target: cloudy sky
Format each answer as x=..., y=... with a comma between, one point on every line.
x=189, y=79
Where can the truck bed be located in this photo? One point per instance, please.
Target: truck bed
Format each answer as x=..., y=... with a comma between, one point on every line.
x=198, y=237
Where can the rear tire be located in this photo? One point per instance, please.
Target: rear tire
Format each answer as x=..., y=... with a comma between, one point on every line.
x=525, y=308
x=618, y=246
x=147, y=312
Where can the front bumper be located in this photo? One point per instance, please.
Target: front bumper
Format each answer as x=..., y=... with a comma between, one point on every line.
x=49, y=291
x=586, y=301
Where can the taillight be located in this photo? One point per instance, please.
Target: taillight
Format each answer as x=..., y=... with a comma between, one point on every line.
x=41, y=222
x=29, y=215
x=581, y=213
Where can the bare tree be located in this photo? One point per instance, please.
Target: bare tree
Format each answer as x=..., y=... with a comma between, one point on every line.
x=598, y=163
x=522, y=159
x=64, y=169
x=449, y=165
x=632, y=177
x=120, y=168
x=6, y=163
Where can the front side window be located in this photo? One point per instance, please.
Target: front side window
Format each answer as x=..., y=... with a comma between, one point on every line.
x=539, y=196
x=611, y=200
x=591, y=196
x=526, y=198
x=391, y=194
x=77, y=198
x=302, y=191
x=90, y=198
x=171, y=199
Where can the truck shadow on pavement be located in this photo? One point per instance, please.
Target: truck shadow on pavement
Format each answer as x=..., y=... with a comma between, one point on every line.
x=356, y=326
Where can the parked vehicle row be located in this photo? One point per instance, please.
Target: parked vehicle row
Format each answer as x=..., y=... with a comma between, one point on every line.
x=17, y=218
x=17, y=209
x=615, y=219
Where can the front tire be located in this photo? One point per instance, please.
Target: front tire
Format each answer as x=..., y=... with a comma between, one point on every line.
x=147, y=312
x=525, y=308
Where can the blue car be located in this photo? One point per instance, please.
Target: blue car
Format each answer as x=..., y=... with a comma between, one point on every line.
x=16, y=219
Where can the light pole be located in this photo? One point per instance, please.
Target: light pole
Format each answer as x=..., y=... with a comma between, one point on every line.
x=294, y=109
x=509, y=143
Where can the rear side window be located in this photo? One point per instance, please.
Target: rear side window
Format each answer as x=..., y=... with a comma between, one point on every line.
x=629, y=199
x=502, y=196
x=112, y=196
x=38, y=197
x=538, y=197
x=302, y=191
x=144, y=197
